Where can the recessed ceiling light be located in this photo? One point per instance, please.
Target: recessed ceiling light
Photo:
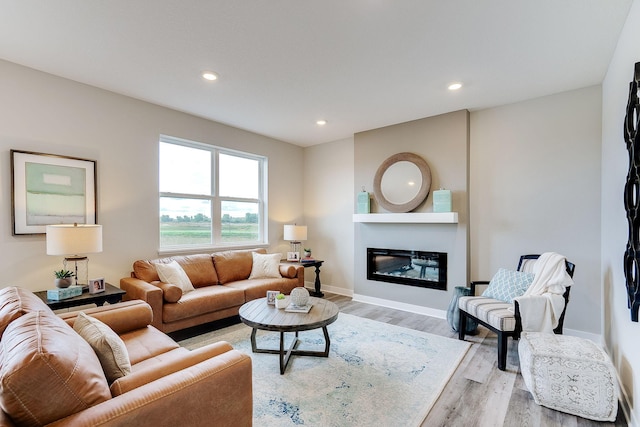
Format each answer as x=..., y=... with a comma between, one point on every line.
x=209, y=75
x=455, y=86
x=321, y=122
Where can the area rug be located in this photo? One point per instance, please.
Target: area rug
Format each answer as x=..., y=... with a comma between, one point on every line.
x=376, y=374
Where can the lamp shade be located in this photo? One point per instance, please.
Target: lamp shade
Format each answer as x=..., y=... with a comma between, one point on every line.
x=295, y=233
x=74, y=239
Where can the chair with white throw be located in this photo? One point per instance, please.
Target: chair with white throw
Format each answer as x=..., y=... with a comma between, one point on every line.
x=533, y=298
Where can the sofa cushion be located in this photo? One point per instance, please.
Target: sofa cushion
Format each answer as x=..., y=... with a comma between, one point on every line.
x=288, y=270
x=108, y=346
x=198, y=267
x=265, y=266
x=173, y=273
x=234, y=265
x=16, y=302
x=203, y=301
x=170, y=292
x=47, y=371
x=145, y=344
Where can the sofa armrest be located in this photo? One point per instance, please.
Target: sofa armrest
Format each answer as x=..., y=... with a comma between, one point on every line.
x=217, y=392
x=145, y=291
x=154, y=372
x=122, y=317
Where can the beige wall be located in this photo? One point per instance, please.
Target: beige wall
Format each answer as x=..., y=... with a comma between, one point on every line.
x=620, y=334
x=328, y=205
x=535, y=185
x=443, y=142
x=43, y=113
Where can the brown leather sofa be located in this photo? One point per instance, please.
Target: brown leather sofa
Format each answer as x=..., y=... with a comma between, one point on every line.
x=221, y=282
x=49, y=375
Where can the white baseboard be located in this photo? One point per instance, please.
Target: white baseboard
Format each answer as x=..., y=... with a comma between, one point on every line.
x=411, y=308
x=331, y=289
x=596, y=338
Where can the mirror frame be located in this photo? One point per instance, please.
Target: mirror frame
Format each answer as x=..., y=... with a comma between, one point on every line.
x=410, y=205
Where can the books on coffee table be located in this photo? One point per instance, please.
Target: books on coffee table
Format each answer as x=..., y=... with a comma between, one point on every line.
x=292, y=308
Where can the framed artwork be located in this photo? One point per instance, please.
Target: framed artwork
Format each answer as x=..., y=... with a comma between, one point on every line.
x=271, y=297
x=293, y=256
x=96, y=285
x=49, y=189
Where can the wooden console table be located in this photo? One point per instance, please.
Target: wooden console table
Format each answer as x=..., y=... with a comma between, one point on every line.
x=111, y=295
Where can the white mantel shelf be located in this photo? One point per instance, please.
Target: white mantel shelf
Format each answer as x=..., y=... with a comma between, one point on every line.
x=409, y=218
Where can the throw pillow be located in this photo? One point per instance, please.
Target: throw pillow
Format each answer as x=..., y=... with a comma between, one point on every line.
x=107, y=345
x=507, y=284
x=174, y=274
x=265, y=266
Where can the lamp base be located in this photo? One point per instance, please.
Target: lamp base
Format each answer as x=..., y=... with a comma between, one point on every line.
x=80, y=267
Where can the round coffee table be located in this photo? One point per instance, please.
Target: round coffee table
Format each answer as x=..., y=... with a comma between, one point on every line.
x=260, y=315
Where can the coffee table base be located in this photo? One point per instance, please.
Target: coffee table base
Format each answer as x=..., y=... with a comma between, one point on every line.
x=292, y=350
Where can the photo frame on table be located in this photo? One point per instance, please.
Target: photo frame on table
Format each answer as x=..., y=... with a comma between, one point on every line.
x=96, y=285
x=51, y=189
x=271, y=297
x=293, y=256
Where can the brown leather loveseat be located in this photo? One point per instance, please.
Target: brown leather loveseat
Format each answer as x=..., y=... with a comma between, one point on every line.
x=50, y=375
x=223, y=282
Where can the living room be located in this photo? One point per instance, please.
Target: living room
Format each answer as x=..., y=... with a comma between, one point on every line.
x=543, y=173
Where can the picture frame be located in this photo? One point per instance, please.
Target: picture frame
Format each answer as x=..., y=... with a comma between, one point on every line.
x=96, y=285
x=271, y=297
x=293, y=256
x=49, y=189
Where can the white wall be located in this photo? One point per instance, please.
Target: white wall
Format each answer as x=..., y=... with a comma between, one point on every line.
x=535, y=186
x=328, y=206
x=43, y=113
x=622, y=336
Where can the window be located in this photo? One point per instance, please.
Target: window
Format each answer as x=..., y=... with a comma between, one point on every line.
x=210, y=196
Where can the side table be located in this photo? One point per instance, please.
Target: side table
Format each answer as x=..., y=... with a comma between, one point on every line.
x=111, y=294
x=317, y=264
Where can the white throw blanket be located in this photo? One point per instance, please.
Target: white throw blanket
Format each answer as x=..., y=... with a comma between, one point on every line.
x=542, y=304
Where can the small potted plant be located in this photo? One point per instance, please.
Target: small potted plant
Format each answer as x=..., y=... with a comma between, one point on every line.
x=63, y=278
x=281, y=301
x=307, y=252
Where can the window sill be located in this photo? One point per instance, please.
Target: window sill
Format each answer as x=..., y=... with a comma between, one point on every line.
x=207, y=249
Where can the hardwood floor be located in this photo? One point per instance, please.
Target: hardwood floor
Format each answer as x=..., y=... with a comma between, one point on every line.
x=478, y=394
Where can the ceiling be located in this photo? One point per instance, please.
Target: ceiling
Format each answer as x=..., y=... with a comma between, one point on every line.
x=283, y=64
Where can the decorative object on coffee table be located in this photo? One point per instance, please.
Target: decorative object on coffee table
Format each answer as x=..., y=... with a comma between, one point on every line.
x=281, y=301
x=299, y=297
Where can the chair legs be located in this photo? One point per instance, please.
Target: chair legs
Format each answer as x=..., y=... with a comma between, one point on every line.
x=502, y=340
x=502, y=351
x=462, y=324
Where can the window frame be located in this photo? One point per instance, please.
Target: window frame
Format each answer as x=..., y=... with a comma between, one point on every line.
x=216, y=200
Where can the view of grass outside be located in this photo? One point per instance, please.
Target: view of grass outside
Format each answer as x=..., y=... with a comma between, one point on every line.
x=197, y=230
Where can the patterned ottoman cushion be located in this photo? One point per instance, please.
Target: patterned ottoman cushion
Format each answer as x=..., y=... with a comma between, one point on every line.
x=569, y=374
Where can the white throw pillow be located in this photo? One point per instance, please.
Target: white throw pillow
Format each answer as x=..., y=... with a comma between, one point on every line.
x=107, y=345
x=174, y=274
x=265, y=266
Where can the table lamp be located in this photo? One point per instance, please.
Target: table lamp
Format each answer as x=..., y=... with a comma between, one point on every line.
x=73, y=241
x=295, y=234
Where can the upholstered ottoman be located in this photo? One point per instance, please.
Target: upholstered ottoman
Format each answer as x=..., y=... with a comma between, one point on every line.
x=569, y=374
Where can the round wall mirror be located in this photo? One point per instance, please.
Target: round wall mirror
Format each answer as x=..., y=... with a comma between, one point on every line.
x=402, y=182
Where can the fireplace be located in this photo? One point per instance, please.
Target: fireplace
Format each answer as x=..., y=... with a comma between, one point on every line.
x=407, y=267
